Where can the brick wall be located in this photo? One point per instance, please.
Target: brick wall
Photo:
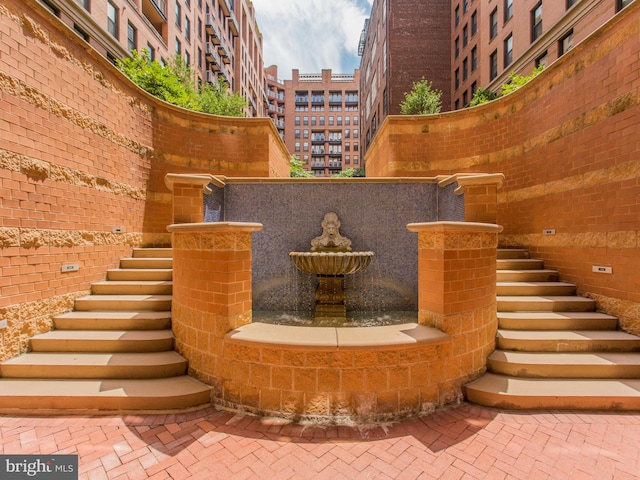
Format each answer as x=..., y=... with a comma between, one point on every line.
x=569, y=148
x=83, y=151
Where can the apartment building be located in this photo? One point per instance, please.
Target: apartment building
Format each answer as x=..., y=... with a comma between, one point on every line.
x=274, y=89
x=402, y=42
x=486, y=40
x=217, y=38
x=322, y=120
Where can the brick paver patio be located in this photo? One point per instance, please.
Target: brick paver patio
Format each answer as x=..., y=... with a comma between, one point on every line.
x=464, y=442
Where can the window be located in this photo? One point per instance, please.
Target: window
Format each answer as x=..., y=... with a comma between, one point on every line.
x=623, y=3
x=152, y=52
x=321, y=120
x=465, y=69
x=465, y=98
x=187, y=58
x=305, y=133
x=297, y=120
x=493, y=65
x=566, y=43
x=112, y=19
x=355, y=133
x=465, y=36
x=542, y=60
x=571, y=3
x=178, y=47
x=187, y=28
x=199, y=57
x=297, y=133
x=465, y=6
x=456, y=48
x=355, y=159
x=457, y=78
x=178, y=15
x=330, y=120
x=132, y=37
x=493, y=24
x=508, y=50
x=305, y=120
x=313, y=120
x=536, y=22
x=474, y=58
x=508, y=9
x=457, y=15
x=474, y=23
x=86, y=4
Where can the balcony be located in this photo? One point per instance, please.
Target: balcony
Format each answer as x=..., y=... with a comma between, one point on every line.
x=156, y=12
x=335, y=166
x=225, y=4
x=316, y=166
x=302, y=100
x=335, y=139
x=213, y=29
x=212, y=56
x=233, y=25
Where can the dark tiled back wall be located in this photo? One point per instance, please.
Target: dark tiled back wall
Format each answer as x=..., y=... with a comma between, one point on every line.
x=373, y=216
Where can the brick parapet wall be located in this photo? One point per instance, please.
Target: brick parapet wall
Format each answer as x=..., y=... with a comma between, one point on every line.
x=83, y=151
x=567, y=144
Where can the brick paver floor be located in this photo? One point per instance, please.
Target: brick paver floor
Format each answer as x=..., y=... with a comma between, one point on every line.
x=463, y=442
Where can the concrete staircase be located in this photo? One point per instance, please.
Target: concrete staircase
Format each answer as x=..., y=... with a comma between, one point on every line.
x=553, y=349
x=113, y=352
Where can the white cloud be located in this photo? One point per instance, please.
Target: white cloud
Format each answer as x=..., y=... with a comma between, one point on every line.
x=311, y=34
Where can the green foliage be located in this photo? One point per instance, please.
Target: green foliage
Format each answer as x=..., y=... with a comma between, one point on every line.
x=482, y=96
x=517, y=81
x=422, y=100
x=174, y=83
x=296, y=170
x=349, y=173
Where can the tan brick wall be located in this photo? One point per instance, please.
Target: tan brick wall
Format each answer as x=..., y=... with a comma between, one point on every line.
x=568, y=146
x=82, y=151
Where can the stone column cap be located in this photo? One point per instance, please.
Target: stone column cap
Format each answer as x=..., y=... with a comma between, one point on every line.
x=454, y=227
x=214, y=227
x=203, y=179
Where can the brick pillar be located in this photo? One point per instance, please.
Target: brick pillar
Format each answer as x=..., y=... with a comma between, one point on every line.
x=457, y=291
x=480, y=196
x=211, y=289
x=188, y=205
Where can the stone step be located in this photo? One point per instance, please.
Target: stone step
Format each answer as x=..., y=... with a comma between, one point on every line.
x=545, y=304
x=137, y=287
x=123, y=320
x=144, y=274
x=123, y=302
x=556, y=321
x=500, y=391
x=565, y=365
x=94, y=365
x=520, y=264
x=526, y=275
x=119, y=394
x=103, y=341
x=511, y=253
x=567, y=341
x=535, y=288
x=146, y=263
x=152, y=252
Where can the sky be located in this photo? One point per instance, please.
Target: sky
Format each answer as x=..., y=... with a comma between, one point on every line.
x=311, y=34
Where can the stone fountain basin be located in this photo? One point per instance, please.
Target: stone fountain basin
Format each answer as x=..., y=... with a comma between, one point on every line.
x=331, y=263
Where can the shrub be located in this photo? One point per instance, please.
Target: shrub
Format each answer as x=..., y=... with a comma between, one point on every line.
x=422, y=100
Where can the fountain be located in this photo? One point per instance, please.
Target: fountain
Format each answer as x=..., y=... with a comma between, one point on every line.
x=330, y=259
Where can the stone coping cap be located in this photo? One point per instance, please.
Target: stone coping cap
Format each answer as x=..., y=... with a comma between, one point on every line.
x=228, y=180
x=444, y=180
x=204, y=180
x=388, y=336
x=454, y=227
x=496, y=179
x=213, y=227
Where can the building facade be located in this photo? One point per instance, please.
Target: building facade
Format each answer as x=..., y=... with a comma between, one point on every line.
x=486, y=40
x=217, y=38
x=274, y=89
x=322, y=121
x=402, y=42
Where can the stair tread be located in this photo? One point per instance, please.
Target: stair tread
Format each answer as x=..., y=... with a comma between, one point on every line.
x=563, y=358
x=111, y=394
x=89, y=335
x=96, y=359
x=554, y=315
x=534, y=284
x=133, y=282
x=556, y=387
x=125, y=297
x=116, y=314
x=567, y=335
x=545, y=298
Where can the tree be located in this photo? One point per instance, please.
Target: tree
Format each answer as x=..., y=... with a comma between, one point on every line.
x=296, y=170
x=175, y=83
x=422, y=100
x=350, y=172
x=482, y=96
x=514, y=83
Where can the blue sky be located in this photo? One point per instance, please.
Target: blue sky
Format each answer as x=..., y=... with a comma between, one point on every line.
x=311, y=34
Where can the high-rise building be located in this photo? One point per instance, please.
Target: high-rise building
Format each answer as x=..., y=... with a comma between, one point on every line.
x=215, y=37
x=486, y=40
x=322, y=121
x=402, y=42
x=275, y=98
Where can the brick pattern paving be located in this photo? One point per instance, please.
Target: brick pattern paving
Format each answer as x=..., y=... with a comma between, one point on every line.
x=465, y=442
